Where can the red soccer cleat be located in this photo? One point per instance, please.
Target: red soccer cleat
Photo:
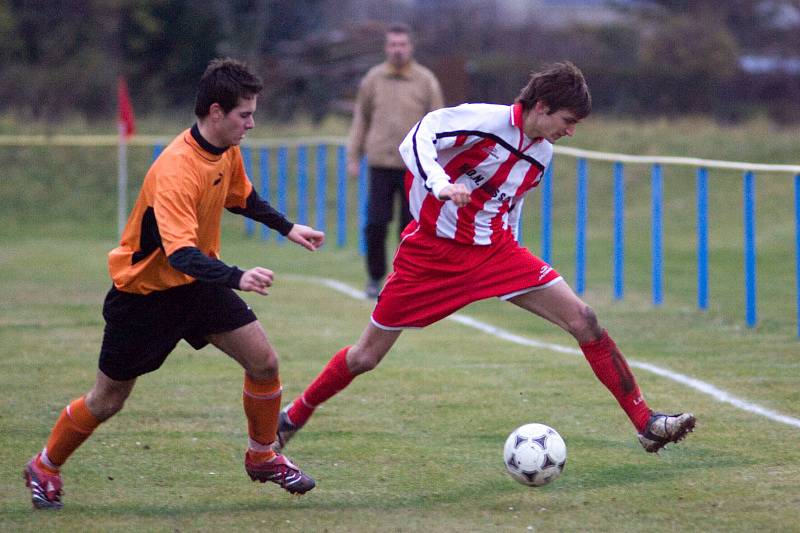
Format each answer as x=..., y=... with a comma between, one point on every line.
x=281, y=471
x=45, y=487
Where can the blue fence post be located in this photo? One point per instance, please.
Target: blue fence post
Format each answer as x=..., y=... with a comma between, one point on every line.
x=263, y=164
x=580, y=229
x=657, y=238
x=362, y=205
x=797, y=245
x=283, y=172
x=322, y=185
x=157, y=149
x=619, y=231
x=341, y=196
x=302, y=184
x=247, y=153
x=702, y=238
x=750, y=249
x=547, y=212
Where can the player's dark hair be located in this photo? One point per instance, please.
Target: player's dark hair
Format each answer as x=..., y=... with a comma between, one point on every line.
x=224, y=82
x=559, y=86
x=400, y=27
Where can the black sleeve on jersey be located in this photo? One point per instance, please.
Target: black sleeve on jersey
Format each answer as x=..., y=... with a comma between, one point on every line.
x=259, y=210
x=190, y=260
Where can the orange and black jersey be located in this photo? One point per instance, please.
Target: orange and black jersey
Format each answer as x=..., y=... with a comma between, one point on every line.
x=173, y=232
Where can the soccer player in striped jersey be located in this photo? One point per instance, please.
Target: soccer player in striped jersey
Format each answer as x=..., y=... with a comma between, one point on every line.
x=169, y=284
x=469, y=168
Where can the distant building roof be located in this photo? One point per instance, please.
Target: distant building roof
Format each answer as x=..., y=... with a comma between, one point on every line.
x=559, y=13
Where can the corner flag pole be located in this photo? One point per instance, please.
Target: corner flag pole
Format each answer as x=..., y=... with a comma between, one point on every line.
x=126, y=127
x=122, y=180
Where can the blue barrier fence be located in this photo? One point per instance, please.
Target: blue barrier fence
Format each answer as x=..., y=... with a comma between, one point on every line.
x=657, y=246
x=749, y=249
x=797, y=246
x=264, y=177
x=547, y=214
x=582, y=199
x=702, y=238
x=619, y=231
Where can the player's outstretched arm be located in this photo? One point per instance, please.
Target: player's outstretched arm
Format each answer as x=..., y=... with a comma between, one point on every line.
x=256, y=279
x=306, y=237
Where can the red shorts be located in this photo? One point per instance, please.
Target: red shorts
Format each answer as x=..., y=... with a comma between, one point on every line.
x=435, y=277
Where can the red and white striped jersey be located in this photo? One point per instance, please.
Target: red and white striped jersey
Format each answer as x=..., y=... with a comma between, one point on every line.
x=482, y=146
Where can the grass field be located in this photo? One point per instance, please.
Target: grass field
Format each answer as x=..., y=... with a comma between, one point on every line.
x=417, y=444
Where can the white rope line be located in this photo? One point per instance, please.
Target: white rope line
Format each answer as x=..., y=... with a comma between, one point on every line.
x=670, y=160
x=693, y=383
x=292, y=142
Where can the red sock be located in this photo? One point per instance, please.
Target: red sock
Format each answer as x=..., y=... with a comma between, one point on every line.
x=262, y=403
x=333, y=378
x=612, y=370
x=73, y=427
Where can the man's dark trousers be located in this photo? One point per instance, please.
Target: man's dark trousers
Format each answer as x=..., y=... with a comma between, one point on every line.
x=384, y=185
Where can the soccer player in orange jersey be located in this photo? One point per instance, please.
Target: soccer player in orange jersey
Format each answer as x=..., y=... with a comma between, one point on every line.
x=169, y=284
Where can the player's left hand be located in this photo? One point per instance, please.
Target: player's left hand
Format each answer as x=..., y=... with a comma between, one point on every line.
x=306, y=237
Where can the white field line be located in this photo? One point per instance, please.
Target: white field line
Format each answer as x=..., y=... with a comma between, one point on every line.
x=696, y=384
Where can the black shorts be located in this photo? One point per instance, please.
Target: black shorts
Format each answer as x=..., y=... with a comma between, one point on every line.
x=142, y=330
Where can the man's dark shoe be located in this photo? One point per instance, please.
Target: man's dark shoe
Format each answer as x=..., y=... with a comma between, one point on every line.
x=373, y=289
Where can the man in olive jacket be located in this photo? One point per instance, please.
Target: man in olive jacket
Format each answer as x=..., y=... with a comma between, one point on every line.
x=392, y=97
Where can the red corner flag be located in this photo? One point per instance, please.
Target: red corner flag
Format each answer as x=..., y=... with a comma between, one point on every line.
x=127, y=124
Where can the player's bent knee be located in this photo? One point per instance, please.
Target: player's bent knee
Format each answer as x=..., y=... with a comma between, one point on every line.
x=584, y=324
x=262, y=369
x=107, y=396
x=360, y=362
x=260, y=363
x=106, y=405
x=590, y=318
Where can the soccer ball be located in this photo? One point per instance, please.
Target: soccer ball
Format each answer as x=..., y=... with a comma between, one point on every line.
x=535, y=454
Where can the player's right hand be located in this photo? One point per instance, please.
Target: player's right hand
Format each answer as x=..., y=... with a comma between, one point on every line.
x=256, y=279
x=457, y=192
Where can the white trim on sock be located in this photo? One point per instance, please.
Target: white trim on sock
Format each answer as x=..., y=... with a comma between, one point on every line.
x=303, y=399
x=46, y=460
x=270, y=396
x=258, y=447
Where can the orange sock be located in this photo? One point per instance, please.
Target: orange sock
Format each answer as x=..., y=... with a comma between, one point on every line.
x=262, y=404
x=73, y=427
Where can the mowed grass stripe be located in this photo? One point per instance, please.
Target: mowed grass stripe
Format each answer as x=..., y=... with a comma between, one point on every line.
x=414, y=446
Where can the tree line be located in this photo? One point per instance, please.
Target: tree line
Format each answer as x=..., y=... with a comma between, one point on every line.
x=652, y=58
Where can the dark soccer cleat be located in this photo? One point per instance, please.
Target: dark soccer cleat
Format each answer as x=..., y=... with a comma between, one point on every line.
x=662, y=429
x=45, y=487
x=281, y=471
x=286, y=430
x=373, y=289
